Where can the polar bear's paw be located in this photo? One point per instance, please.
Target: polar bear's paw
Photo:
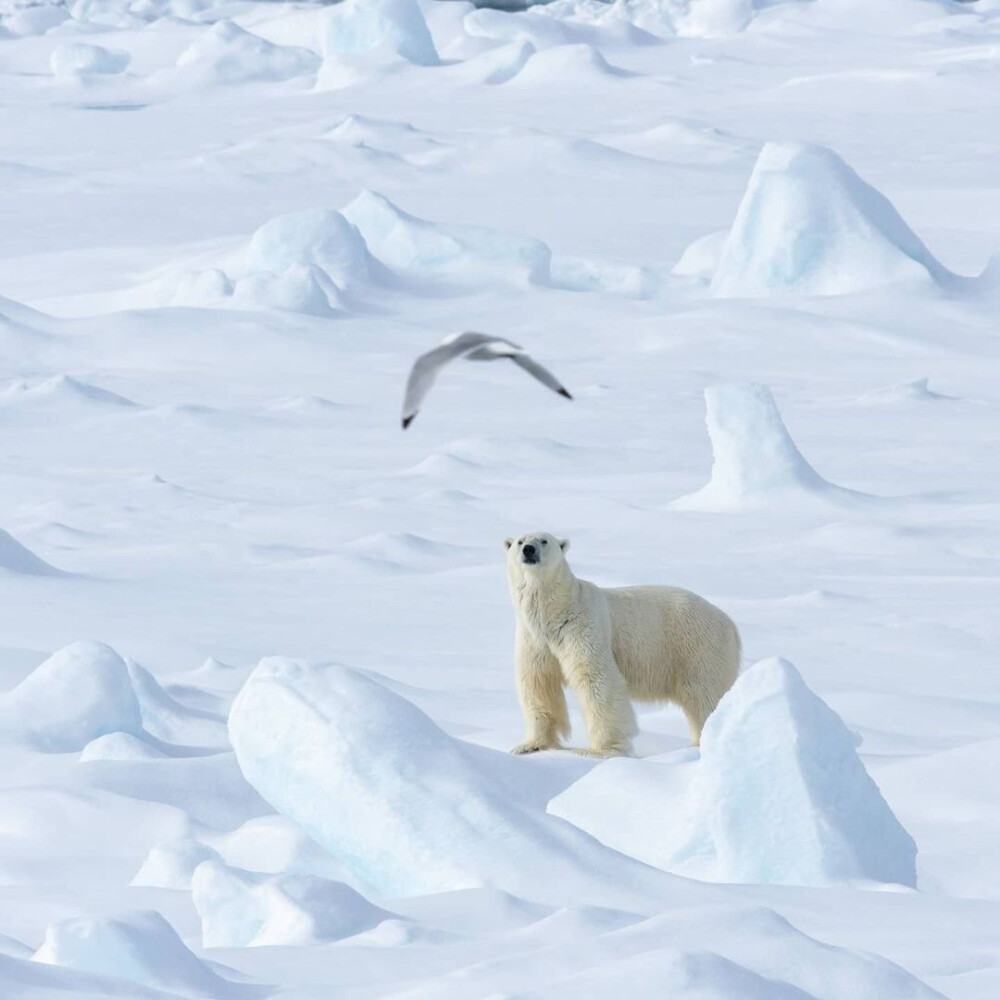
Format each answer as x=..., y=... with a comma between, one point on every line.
x=604, y=752
x=534, y=746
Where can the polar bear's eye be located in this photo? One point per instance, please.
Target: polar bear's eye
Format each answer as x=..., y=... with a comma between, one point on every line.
x=545, y=541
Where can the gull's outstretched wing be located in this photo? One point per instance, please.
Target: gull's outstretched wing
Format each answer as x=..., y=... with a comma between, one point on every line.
x=532, y=367
x=426, y=367
x=474, y=347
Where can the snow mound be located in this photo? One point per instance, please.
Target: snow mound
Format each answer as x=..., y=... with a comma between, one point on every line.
x=701, y=258
x=410, y=245
x=714, y=18
x=918, y=390
x=267, y=844
x=171, y=865
x=379, y=28
x=404, y=551
x=532, y=26
x=226, y=54
x=197, y=288
x=141, y=947
x=381, y=135
x=405, y=807
x=63, y=390
x=241, y=909
x=36, y=20
x=166, y=719
x=677, y=141
x=274, y=845
x=567, y=66
x=302, y=260
x=808, y=224
x=495, y=66
x=112, y=13
x=780, y=795
x=755, y=461
x=561, y=23
x=581, y=274
x=17, y=558
x=320, y=239
x=296, y=262
x=307, y=406
x=119, y=746
x=74, y=59
x=302, y=288
x=79, y=693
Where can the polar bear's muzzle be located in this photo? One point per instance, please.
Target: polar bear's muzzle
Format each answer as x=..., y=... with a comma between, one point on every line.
x=530, y=554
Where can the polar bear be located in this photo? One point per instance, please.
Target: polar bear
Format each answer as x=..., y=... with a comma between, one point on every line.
x=610, y=645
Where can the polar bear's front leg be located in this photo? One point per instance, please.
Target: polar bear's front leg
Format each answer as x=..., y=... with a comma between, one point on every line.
x=607, y=709
x=540, y=690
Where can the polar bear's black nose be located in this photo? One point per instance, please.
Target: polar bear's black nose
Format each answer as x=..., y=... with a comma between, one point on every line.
x=530, y=553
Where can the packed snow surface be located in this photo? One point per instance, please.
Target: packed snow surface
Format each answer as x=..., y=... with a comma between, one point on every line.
x=256, y=680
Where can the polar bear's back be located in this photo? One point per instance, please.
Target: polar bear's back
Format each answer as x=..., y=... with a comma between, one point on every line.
x=667, y=641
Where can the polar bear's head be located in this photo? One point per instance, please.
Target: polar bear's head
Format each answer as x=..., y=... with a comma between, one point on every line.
x=536, y=552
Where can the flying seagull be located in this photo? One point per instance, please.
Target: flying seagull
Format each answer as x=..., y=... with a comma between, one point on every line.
x=471, y=347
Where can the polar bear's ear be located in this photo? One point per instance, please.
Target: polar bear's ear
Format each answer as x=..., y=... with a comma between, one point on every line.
x=564, y=544
x=508, y=542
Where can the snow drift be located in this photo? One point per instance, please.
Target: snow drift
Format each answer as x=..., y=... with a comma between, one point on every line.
x=18, y=558
x=755, y=461
x=297, y=262
x=379, y=27
x=227, y=54
x=779, y=795
x=479, y=255
x=65, y=392
x=313, y=261
x=410, y=245
x=268, y=844
x=302, y=288
x=808, y=224
x=407, y=808
x=79, y=693
x=319, y=238
x=241, y=909
x=76, y=59
x=141, y=947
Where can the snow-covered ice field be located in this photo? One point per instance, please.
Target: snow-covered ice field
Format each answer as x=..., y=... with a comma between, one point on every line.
x=256, y=683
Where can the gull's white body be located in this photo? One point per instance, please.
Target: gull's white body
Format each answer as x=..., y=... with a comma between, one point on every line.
x=470, y=347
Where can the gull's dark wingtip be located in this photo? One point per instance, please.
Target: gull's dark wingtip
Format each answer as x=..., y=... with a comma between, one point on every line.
x=564, y=392
x=408, y=420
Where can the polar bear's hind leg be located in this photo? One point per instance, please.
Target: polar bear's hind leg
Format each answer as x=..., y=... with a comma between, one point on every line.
x=718, y=667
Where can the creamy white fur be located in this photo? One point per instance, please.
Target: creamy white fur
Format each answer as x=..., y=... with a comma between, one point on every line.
x=611, y=646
